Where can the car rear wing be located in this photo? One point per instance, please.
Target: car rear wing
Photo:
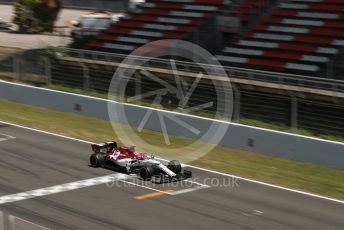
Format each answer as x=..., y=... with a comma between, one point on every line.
x=104, y=147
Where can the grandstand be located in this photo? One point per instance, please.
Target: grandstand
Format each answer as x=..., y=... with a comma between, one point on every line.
x=157, y=19
x=294, y=36
x=297, y=36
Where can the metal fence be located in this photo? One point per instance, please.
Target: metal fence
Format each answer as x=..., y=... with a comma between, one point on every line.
x=91, y=73
x=233, y=72
x=30, y=67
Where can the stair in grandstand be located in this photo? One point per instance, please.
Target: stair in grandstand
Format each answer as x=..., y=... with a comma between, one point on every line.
x=298, y=36
x=154, y=20
x=250, y=10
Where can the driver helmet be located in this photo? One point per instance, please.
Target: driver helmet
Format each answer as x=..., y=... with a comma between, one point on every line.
x=131, y=149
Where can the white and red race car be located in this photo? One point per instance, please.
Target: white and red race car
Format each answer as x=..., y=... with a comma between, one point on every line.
x=126, y=159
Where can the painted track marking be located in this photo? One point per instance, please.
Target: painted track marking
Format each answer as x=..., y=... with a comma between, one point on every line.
x=109, y=179
x=173, y=193
x=5, y=137
x=189, y=190
x=154, y=194
x=61, y=188
x=253, y=213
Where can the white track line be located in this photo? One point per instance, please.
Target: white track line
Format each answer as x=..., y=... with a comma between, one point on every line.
x=267, y=184
x=198, y=187
x=195, y=167
x=61, y=188
x=6, y=138
x=188, y=190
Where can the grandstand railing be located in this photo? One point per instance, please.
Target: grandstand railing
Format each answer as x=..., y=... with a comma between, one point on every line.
x=232, y=72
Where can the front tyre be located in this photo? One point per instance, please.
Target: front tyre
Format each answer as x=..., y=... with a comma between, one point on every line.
x=175, y=166
x=146, y=172
x=96, y=160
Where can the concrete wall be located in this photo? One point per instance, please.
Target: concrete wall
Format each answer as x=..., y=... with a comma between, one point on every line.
x=109, y=5
x=295, y=147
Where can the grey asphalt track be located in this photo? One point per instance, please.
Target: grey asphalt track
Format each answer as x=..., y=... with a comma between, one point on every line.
x=36, y=160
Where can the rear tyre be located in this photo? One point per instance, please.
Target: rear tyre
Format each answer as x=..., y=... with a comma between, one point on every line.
x=96, y=160
x=175, y=166
x=146, y=172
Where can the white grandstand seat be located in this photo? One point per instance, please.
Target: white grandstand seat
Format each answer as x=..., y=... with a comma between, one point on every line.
x=144, y=33
x=288, y=46
x=318, y=7
x=305, y=14
x=305, y=39
x=276, y=54
x=300, y=30
x=268, y=63
x=305, y=22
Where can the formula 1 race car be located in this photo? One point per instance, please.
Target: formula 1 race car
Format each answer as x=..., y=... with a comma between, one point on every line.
x=127, y=160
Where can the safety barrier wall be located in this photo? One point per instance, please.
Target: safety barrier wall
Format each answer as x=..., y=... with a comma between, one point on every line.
x=2, y=222
x=10, y=222
x=290, y=146
x=109, y=5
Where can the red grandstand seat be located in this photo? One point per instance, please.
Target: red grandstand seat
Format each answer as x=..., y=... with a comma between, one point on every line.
x=287, y=46
x=300, y=30
x=297, y=38
x=306, y=14
x=260, y=3
x=268, y=63
x=276, y=54
x=304, y=22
